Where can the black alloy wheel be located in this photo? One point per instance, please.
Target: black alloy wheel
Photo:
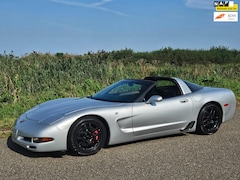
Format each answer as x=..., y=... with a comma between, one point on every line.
x=209, y=119
x=87, y=136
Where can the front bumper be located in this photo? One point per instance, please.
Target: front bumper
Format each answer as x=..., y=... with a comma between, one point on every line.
x=23, y=134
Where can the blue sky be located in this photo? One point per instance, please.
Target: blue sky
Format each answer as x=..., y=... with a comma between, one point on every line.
x=79, y=26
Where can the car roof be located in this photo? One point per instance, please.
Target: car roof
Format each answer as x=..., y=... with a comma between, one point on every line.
x=156, y=78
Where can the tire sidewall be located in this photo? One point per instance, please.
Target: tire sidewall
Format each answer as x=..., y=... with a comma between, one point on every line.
x=73, y=145
x=200, y=128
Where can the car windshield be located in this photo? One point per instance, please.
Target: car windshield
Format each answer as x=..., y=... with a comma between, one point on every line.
x=123, y=91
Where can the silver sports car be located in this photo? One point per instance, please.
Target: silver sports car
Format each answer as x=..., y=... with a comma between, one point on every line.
x=128, y=110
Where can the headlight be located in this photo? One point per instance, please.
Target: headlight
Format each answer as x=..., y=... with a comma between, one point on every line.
x=52, y=119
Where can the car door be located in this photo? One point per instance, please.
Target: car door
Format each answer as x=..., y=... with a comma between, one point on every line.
x=169, y=114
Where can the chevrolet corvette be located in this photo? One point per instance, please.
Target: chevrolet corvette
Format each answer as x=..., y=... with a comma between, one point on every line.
x=128, y=110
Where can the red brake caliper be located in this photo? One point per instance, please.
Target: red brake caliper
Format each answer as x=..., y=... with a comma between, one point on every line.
x=96, y=134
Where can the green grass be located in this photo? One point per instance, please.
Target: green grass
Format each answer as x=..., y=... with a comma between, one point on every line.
x=35, y=78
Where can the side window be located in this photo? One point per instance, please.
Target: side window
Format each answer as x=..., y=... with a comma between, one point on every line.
x=164, y=88
x=167, y=88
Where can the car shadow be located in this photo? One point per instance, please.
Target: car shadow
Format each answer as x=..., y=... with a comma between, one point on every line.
x=20, y=150
x=59, y=154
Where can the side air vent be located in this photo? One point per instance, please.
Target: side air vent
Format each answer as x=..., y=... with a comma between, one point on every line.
x=189, y=126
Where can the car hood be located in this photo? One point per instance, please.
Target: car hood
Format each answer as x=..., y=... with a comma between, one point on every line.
x=56, y=109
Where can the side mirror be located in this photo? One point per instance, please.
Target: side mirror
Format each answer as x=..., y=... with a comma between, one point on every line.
x=153, y=99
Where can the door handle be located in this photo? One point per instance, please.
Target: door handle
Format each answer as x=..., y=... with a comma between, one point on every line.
x=183, y=100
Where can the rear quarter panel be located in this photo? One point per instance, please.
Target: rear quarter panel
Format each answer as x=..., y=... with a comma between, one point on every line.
x=224, y=97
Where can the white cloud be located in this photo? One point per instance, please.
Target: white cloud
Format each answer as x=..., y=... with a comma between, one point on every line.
x=95, y=5
x=101, y=2
x=200, y=4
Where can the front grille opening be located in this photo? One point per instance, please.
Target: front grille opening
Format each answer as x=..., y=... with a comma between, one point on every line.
x=27, y=139
x=32, y=147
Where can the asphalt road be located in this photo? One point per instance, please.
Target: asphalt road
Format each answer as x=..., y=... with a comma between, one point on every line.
x=187, y=156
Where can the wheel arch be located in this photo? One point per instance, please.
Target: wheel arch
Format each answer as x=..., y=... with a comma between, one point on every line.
x=91, y=116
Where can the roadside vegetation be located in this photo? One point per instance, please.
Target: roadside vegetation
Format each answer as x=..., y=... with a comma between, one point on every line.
x=33, y=78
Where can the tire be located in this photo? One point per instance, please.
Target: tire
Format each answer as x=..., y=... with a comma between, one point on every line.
x=209, y=119
x=87, y=136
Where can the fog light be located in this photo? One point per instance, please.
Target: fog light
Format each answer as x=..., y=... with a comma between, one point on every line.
x=41, y=140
